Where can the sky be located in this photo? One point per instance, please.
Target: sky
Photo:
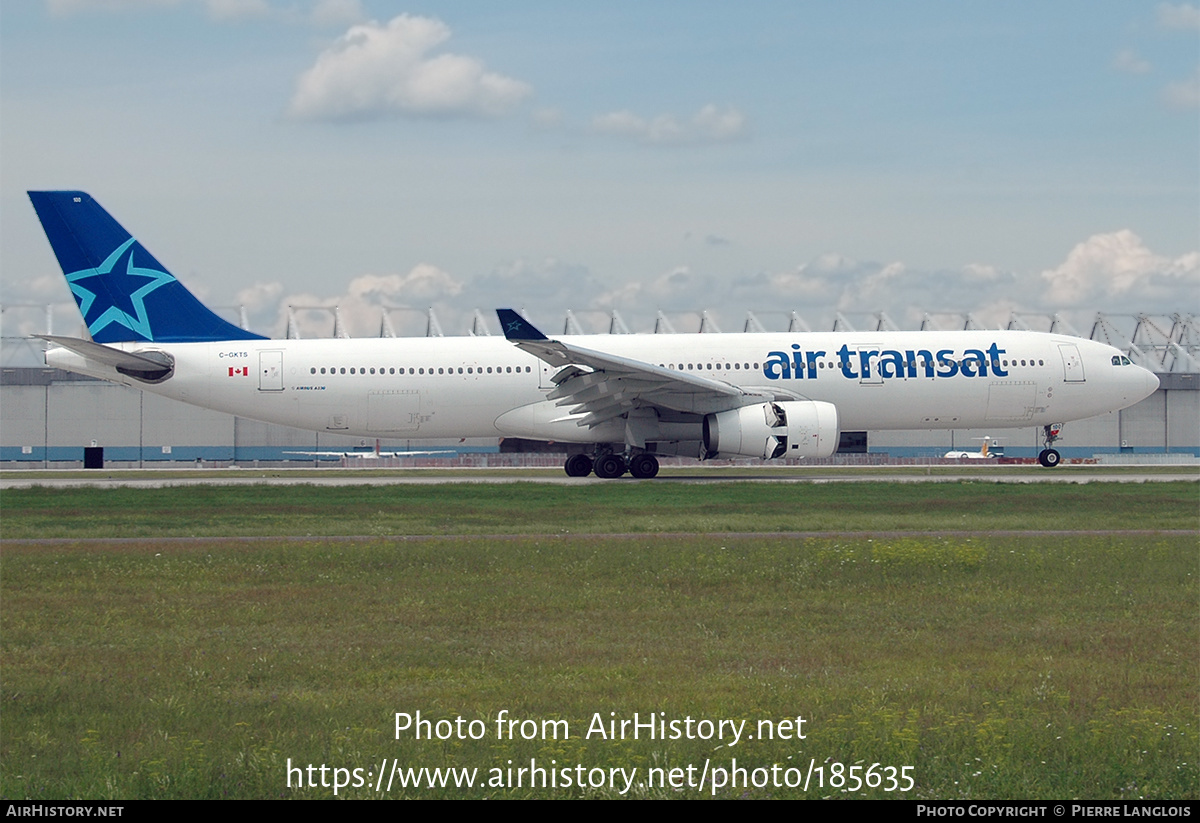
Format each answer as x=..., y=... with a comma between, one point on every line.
x=769, y=157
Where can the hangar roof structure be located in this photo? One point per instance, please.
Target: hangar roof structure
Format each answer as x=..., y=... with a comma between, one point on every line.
x=1162, y=343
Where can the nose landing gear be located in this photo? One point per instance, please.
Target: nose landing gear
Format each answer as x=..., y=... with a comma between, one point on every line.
x=1049, y=457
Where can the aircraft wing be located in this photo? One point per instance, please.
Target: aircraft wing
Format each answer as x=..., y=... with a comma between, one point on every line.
x=599, y=386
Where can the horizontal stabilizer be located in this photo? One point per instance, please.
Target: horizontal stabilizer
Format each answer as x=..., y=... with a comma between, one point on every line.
x=151, y=366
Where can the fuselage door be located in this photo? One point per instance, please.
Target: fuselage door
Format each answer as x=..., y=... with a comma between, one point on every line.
x=1072, y=363
x=868, y=366
x=270, y=371
x=545, y=374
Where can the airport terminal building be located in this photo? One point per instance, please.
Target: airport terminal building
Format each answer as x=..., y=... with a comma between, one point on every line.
x=52, y=418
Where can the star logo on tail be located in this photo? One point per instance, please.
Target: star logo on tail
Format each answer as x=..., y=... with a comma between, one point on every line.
x=134, y=318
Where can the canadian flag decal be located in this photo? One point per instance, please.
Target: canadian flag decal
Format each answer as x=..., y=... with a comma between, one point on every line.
x=244, y=371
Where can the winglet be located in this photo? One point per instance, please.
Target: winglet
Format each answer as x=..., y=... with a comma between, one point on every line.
x=517, y=327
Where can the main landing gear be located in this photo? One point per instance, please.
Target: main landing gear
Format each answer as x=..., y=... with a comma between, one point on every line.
x=578, y=465
x=1049, y=457
x=612, y=465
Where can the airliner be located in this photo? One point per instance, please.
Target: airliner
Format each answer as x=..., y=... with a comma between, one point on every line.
x=618, y=402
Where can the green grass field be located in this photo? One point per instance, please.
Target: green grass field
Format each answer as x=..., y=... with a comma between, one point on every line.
x=535, y=508
x=1018, y=666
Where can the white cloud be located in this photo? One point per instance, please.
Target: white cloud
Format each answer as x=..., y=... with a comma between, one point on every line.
x=1182, y=16
x=425, y=282
x=544, y=287
x=874, y=289
x=789, y=290
x=361, y=305
x=1113, y=273
x=1185, y=94
x=259, y=295
x=710, y=124
x=375, y=70
x=981, y=273
x=1127, y=61
x=1116, y=271
x=675, y=286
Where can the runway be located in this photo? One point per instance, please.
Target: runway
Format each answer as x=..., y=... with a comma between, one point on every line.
x=174, y=478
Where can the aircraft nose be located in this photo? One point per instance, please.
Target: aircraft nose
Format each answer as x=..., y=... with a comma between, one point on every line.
x=1151, y=381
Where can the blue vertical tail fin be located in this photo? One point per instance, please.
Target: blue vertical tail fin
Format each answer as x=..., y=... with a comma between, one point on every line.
x=123, y=293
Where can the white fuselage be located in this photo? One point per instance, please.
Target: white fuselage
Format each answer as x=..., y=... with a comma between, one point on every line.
x=487, y=387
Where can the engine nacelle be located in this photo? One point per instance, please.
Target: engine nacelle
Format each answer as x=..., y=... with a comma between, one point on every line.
x=788, y=428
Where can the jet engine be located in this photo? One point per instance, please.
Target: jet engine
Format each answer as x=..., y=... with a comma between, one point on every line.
x=788, y=428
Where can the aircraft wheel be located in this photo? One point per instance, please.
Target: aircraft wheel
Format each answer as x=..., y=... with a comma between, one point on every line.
x=610, y=466
x=578, y=465
x=644, y=466
x=1049, y=458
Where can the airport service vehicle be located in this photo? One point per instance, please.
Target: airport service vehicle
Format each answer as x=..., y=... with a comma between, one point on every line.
x=618, y=401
